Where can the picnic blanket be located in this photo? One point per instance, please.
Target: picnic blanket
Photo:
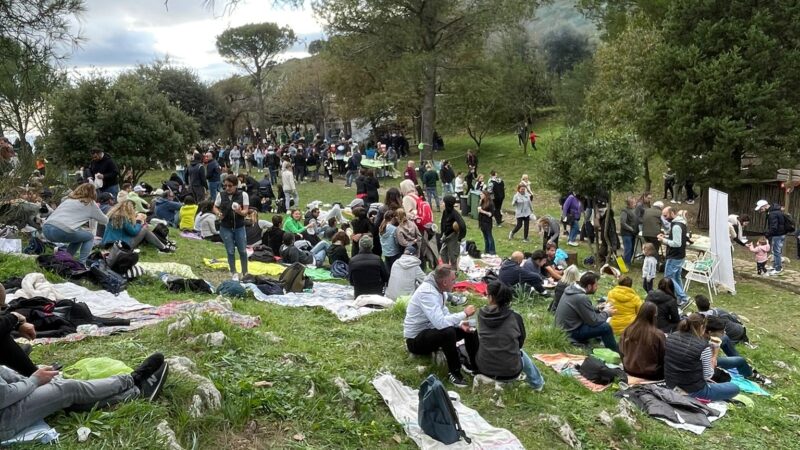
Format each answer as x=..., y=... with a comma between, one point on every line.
x=336, y=298
x=269, y=269
x=191, y=235
x=38, y=432
x=177, y=269
x=477, y=287
x=564, y=363
x=404, y=401
x=152, y=315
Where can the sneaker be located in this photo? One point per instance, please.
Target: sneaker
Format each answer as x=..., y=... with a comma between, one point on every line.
x=774, y=272
x=510, y=235
x=572, y=244
x=151, y=386
x=538, y=389
x=525, y=240
x=167, y=249
x=457, y=380
x=235, y=277
x=148, y=367
x=470, y=371
x=690, y=202
x=673, y=202
x=758, y=378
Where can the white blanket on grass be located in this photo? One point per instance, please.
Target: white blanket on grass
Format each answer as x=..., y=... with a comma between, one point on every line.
x=102, y=303
x=336, y=298
x=404, y=401
x=720, y=407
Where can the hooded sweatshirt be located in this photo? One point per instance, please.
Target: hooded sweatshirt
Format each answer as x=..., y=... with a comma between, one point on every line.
x=513, y=274
x=501, y=333
x=627, y=303
x=576, y=309
x=668, y=314
x=406, y=275
x=450, y=216
x=426, y=310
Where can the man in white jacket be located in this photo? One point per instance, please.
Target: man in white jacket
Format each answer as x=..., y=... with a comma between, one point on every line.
x=406, y=274
x=289, y=189
x=429, y=325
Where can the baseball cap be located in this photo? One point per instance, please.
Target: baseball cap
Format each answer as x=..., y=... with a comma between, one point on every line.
x=411, y=250
x=158, y=192
x=138, y=188
x=761, y=203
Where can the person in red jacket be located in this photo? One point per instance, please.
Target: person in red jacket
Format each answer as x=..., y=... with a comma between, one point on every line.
x=532, y=137
x=411, y=172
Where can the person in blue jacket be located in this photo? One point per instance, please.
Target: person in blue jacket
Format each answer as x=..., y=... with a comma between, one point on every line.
x=166, y=207
x=126, y=226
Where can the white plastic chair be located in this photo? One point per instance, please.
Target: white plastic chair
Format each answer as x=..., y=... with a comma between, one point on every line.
x=702, y=271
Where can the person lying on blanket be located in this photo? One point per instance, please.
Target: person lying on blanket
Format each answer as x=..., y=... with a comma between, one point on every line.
x=501, y=333
x=735, y=331
x=29, y=394
x=430, y=326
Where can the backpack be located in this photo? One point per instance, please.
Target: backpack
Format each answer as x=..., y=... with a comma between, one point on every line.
x=499, y=190
x=339, y=269
x=472, y=250
x=36, y=246
x=424, y=213
x=294, y=278
x=262, y=253
x=162, y=233
x=436, y=415
x=596, y=371
x=108, y=279
x=122, y=258
x=788, y=224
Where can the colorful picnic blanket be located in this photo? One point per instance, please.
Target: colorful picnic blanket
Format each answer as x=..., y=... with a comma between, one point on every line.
x=564, y=363
x=177, y=269
x=336, y=298
x=403, y=402
x=269, y=269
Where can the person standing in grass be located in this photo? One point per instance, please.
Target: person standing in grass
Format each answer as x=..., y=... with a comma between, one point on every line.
x=522, y=212
x=447, y=176
x=571, y=212
x=453, y=231
x=498, y=189
x=629, y=228
x=232, y=206
x=429, y=180
x=485, y=215
x=289, y=188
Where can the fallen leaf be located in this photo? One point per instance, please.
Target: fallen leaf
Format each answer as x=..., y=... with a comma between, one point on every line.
x=299, y=437
x=259, y=384
x=397, y=438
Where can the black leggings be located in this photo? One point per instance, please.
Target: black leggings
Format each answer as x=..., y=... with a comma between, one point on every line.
x=11, y=355
x=668, y=186
x=432, y=340
x=526, y=221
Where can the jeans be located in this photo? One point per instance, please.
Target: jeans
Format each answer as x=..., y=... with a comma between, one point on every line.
x=146, y=235
x=77, y=239
x=235, y=167
x=235, y=239
x=534, y=378
x=728, y=346
x=213, y=189
x=273, y=175
x=113, y=190
x=628, y=242
x=672, y=270
x=60, y=394
x=431, y=196
x=777, y=252
x=319, y=252
x=260, y=163
x=574, y=228
x=602, y=330
x=647, y=285
x=289, y=196
x=432, y=340
x=349, y=177
x=13, y=357
x=447, y=188
x=735, y=362
x=717, y=392
x=488, y=241
x=522, y=222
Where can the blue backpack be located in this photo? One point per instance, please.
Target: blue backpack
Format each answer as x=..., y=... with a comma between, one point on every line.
x=436, y=415
x=339, y=269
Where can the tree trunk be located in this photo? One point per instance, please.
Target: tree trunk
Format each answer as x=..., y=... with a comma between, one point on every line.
x=648, y=183
x=476, y=137
x=262, y=116
x=428, y=111
x=526, y=132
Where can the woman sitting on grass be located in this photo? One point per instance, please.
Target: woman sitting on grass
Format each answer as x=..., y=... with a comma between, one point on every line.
x=667, y=303
x=501, y=333
x=338, y=249
x=206, y=222
x=187, y=214
x=642, y=345
x=127, y=226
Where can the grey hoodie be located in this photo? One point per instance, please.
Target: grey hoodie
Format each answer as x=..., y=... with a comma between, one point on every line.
x=501, y=333
x=406, y=275
x=426, y=310
x=576, y=309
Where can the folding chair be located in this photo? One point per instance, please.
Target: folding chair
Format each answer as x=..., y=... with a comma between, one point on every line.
x=702, y=271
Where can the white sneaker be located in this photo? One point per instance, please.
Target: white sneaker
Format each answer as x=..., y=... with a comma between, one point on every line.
x=510, y=235
x=673, y=202
x=572, y=244
x=774, y=272
x=235, y=277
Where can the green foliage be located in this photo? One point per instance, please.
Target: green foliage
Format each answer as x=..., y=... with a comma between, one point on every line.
x=607, y=161
x=615, y=16
x=127, y=118
x=573, y=89
x=564, y=48
x=236, y=98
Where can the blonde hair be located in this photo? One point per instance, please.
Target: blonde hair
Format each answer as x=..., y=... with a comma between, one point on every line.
x=400, y=215
x=649, y=249
x=121, y=213
x=85, y=193
x=763, y=241
x=571, y=275
x=407, y=187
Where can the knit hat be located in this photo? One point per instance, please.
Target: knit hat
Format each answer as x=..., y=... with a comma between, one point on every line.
x=411, y=250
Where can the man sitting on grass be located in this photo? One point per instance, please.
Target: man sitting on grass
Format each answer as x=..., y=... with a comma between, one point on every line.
x=735, y=332
x=429, y=325
x=513, y=272
x=27, y=397
x=580, y=319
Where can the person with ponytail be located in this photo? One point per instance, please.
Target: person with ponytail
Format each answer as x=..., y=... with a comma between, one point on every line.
x=501, y=336
x=690, y=360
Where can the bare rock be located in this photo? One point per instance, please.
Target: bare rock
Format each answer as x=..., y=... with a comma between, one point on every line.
x=168, y=436
x=563, y=430
x=207, y=397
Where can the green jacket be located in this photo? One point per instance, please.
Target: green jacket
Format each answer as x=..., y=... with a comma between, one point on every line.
x=430, y=178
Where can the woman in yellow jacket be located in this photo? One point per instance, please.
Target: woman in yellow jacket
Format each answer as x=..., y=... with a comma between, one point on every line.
x=627, y=303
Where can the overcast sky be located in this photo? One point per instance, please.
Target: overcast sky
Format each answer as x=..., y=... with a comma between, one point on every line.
x=123, y=33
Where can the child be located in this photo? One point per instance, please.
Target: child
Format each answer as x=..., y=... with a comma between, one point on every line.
x=328, y=165
x=649, y=267
x=187, y=213
x=761, y=253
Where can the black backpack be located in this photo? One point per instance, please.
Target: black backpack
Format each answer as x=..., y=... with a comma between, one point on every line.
x=294, y=278
x=596, y=371
x=436, y=414
x=162, y=233
x=122, y=258
x=788, y=224
x=472, y=250
x=107, y=278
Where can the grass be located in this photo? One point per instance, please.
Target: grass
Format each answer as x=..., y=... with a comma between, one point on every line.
x=302, y=351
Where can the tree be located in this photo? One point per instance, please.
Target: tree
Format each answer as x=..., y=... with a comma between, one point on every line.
x=299, y=96
x=237, y=99
x=564, y=48
x=254, y=47
x=614, y=17
x=429, y=32
x=25, y=83
x=42, y=28
x=127, y=118
x=607, y=164
x=183, y=88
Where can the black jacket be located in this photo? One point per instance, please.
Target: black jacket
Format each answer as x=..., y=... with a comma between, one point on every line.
x=668, y=314
x=451, y=216
x=274, y=238
x=775, y=221
x=212, y=171
x=501, y=333
x=108, y=168
x=447, y=175
x=513, y=274
x=368, y=274
x=196, y=175
x=371, y=186
x=337, y=252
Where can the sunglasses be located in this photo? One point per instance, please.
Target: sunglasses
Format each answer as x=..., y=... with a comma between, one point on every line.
x=227, y=185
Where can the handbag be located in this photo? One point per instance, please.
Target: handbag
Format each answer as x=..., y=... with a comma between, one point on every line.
x=122, y=257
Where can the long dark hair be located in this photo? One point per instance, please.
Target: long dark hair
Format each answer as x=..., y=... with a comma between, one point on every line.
x=642, y=331
x=393, y=199
x=486, y=201
x=666, y=285
x=500, y=293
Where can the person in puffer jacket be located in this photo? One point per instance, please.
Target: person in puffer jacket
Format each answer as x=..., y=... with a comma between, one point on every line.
x=406, y=274
x=501, y=334
x=627, y=303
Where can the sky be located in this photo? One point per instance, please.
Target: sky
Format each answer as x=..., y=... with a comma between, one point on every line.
x=120, y=34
